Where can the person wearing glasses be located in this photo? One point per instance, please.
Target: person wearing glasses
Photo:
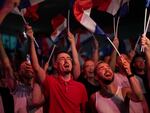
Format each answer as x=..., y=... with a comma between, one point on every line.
x=64, y=94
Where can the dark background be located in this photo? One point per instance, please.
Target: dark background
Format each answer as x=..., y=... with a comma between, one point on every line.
x=130, y=25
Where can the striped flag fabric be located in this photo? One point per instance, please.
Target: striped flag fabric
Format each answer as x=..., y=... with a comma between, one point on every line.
x=82, y=10
x=59, y=24
x=109, y=6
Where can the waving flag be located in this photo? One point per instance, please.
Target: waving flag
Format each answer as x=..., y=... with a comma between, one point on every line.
x=109, y=6
x=82, y=37
x=82, y=10
x=124, y=9
x=59, y=23
x=28, y=9
x=147, y=3
x=31, y=12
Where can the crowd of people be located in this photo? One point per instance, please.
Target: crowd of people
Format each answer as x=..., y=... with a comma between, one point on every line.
x=120, y=84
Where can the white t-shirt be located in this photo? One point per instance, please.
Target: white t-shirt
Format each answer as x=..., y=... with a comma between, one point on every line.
x=115, y=104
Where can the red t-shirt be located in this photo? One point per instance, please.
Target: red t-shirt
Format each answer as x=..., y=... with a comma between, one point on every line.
x=64, y=97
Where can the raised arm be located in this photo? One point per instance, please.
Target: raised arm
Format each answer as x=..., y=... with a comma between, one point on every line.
x=95, y=53
x=76, y=63
x=145, y=42
x=114, y=54
x=135, y=93
x=34, y=60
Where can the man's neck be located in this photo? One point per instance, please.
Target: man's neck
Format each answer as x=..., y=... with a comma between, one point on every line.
x=66, y=77
x=109, y=90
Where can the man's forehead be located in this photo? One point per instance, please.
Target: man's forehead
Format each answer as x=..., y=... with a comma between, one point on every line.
x=102, y=64
x=89, y=62
x=63, y=55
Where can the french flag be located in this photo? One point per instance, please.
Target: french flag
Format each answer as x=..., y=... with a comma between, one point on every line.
x=82, y=10
x=59, y=24
x=28, y=8
x=109, y=6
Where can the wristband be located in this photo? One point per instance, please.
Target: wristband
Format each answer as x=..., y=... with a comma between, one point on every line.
x=129, y=76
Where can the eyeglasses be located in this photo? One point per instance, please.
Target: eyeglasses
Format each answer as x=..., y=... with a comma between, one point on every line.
x=64, y=59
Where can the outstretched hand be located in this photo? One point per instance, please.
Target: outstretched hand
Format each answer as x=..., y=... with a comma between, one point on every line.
x=145, y=42
x=126, y=65
x=95, y=44
x=116, y=42
x=71, y=38
x=29, y=32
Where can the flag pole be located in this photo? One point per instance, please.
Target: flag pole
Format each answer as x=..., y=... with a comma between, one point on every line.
x=145, y=19
x=142, y=48
x=68, y=24
x=20, y=13
x=51, y=53
x=147, y=25
x=93, y=36
x=68, y=20
x=116, y=33
x=137, y=43
x=113, y=46
x=26, y=23
x=114, y=25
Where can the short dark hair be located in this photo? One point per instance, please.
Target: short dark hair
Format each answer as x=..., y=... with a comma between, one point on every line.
x=141, y=55
x=57, y=52
x=86, y=61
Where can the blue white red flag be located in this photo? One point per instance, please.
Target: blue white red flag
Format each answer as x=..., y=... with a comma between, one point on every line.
x=109, y=6
x=82, y=10
x=59, y=24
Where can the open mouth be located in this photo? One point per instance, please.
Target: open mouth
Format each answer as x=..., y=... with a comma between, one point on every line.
x=108, y=74
x=66, y=65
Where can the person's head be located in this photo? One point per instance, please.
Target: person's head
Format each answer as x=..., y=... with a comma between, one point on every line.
x=104, y=73
x=63, y=63
x=88, y=68
x=26, y=73
x=138, y=63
